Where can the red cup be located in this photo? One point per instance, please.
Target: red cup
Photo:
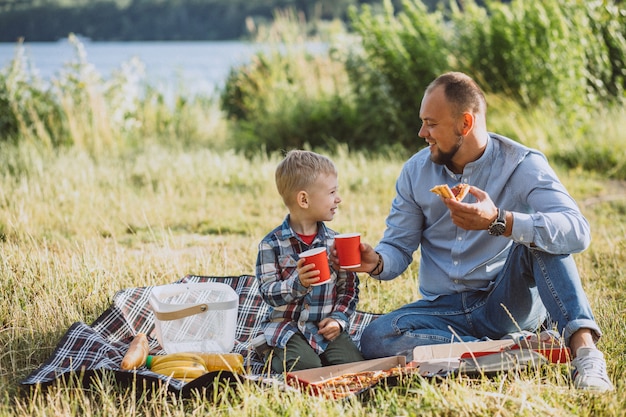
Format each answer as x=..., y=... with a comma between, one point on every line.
x=319, y=257
x=348, y=249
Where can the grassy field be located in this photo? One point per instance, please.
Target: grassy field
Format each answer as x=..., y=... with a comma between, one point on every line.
x=75, y=228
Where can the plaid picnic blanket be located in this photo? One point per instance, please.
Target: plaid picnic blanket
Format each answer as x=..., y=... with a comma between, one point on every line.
x=86, y=351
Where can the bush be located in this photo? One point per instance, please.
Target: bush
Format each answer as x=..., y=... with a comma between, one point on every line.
x=401, y=55
x=567, y=52
x=79, y=108
x=567, y=55
x=606, y=50
x=27, y=110
x=534, y=51
x=287, y=99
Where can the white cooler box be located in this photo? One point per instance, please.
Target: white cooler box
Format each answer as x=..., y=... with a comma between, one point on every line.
x=195, y=317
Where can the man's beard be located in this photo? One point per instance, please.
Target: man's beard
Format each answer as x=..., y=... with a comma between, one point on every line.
x=445, y=158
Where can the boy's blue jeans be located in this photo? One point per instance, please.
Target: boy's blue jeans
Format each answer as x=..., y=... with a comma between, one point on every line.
x=533, y=286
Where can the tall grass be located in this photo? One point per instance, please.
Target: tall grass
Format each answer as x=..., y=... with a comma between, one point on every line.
x=79, y=108
x=93, y=201
x=75, y=230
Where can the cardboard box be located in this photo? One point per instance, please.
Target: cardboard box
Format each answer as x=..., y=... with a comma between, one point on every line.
x=319, y=381
x=455, y=350
x=427, y=361
x=488, y=357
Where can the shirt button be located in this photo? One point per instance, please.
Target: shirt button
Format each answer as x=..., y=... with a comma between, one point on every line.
x=456, y=262
x=456, y=281
x=459, y=238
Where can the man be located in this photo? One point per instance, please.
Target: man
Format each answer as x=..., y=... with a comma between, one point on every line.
x=495, y=263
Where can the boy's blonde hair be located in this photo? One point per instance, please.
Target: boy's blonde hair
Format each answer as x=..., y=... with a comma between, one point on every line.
x=298, y=170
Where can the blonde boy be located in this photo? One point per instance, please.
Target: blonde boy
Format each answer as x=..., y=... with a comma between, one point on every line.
x=307, y=324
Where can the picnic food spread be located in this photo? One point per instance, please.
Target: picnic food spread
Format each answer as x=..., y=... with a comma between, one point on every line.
x=187, y=366
x=458, y=192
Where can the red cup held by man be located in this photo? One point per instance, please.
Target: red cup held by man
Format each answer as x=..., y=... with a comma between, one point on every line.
x=348, y=247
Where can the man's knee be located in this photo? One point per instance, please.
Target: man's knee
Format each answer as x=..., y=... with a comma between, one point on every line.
x=372, y=340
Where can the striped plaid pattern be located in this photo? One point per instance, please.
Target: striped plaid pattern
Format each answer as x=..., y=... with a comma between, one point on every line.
x=294, y=308
x=90, y=350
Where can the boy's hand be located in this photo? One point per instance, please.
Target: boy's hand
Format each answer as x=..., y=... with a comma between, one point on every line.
x=307, y=273
x=329, y=328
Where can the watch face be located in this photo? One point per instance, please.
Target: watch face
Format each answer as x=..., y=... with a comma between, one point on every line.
x=496, y=229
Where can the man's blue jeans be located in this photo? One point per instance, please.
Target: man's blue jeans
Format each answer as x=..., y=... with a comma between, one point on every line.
x=533, y=286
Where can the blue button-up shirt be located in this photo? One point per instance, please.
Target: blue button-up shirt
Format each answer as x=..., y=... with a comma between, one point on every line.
x=518, y=179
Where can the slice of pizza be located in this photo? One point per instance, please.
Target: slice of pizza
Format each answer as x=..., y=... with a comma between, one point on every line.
x=443, y=191
x=457, y=192
x=460, y=191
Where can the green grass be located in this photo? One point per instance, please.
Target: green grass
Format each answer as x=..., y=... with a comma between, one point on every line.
x=75, y=229
x=101, y=190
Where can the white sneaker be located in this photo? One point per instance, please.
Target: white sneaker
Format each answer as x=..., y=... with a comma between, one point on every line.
x=589, y=370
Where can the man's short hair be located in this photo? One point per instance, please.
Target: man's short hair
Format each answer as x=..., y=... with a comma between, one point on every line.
x=462, y=92
x=298, y=170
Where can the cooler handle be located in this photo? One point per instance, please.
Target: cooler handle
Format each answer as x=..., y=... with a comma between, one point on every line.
x=195, y=309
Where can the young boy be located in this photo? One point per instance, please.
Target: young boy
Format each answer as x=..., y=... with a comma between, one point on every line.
x=307, y=324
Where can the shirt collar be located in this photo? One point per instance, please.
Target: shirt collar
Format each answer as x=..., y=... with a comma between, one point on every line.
x=287, y=232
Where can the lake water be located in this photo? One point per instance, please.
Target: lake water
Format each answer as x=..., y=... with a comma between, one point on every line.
x=200, y=67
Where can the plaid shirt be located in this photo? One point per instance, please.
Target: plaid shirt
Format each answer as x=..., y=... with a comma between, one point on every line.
x=293, y=307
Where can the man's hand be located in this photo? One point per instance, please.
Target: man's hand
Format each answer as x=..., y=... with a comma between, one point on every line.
x=307, y=274
x=474, y=216
x=369, y=259
x=329, y=328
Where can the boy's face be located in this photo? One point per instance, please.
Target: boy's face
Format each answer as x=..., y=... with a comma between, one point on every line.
x=323, y=198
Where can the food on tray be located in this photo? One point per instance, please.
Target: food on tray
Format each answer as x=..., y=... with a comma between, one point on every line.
x=351, y=383
x=457, y=192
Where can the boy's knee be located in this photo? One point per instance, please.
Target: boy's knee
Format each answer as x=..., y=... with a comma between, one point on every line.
x=281, y=364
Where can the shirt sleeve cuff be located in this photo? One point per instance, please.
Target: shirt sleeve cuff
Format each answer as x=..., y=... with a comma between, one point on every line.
x=341, y=319
x=523, y=228
x=300, y=289
x=388, y=270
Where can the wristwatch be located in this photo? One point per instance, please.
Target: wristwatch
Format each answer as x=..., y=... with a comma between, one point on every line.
x=498, y=226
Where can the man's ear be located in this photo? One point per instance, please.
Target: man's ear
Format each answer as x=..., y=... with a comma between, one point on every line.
x=468, y=123
x=302, y=199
